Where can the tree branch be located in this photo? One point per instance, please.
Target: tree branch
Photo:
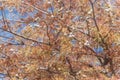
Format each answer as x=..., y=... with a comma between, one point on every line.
x=24, y=37
x=93, y=13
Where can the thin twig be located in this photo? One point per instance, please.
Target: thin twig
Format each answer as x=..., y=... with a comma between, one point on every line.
x=36, y=8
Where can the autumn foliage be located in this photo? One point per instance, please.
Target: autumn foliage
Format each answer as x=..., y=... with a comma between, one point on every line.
x=60, y=39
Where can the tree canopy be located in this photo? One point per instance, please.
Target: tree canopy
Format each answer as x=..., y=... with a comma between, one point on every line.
x=60, y=39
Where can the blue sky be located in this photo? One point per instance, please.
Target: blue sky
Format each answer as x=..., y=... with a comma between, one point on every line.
x=13, y=15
